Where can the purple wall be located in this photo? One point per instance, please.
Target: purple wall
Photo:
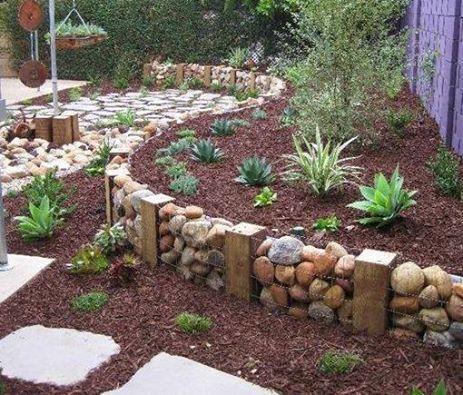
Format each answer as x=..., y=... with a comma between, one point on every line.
x=436, y=39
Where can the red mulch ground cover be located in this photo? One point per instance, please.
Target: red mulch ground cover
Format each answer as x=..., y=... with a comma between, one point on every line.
x=430, y=233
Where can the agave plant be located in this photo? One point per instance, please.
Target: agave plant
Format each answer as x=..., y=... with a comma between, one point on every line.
x=238, y=57
x=255, y=172
x=223, y=127
x=320, y=165
x=385, y=201
x=40, y=224
x=205, y=151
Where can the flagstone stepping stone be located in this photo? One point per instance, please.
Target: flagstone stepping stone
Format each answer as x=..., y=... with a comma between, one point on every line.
x=169, y=374
x=54, y=356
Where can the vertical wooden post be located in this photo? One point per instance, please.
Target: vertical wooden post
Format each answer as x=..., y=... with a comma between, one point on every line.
x=109, y=185
x=75, y=127
x=268, y=83
x=240, y=245
x=44, y=127
x=62, y=129
x=207, y=76
x=371, y=291
x=232, y=80
x=150, y=226
x=252, y=80
x=180, y=73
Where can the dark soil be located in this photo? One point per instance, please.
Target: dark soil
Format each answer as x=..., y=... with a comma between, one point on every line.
x=429, y=233
x=273, y=351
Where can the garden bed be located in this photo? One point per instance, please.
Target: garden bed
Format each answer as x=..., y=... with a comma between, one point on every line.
x=430, y=233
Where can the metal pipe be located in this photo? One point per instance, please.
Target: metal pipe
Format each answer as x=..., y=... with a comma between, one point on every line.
x=54, y=72
x=2, y=105
x=4, y=266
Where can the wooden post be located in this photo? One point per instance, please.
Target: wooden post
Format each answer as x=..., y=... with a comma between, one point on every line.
x=268, y=83
x=75, y=127
x=44, y=127
x=62, y=129
x=150, y=226
x=109, y=185
x=180, y=73
x=252, y=80
x=240, y=245
x=207, y=76
x=146, y=69
x=371, y=291
x=232, y=77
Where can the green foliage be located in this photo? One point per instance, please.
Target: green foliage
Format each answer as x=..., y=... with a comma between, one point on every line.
x=69, y=29
x=186, y=185
x=240, y=123
x=111, y=238
x=148, y=81
x=176, y=170
x=259, y=115
x=97, y=165
x=170, y=82
x=27, y=102
x=124, y=270
x=186, y=133
x=90, y=302
x=191, y=83
x=385, y=201
x=125, y=118
x=205, y=151
x=75, y=93
x=11, y=193
x=245, y=94
x=175, y=147
x=88, y=260
x=439, y=390
x=320, y=165
x=223, y=127
x=328, y=224
x=428, y=64
x=121, y=82
x=445, y=169
x=216, y=86
x=94, y=81
x=289, y=116
x=238, y=57
x=41, y=223
x=2, y=386
x=193, y=323
x=335, y=362
x=255, y=172
x=266, y=198
x=398, y=121
x=164, y=161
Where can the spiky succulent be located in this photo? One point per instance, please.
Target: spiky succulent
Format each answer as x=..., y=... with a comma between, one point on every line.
x=205, y=151
x=223, y=127
x=255, y=172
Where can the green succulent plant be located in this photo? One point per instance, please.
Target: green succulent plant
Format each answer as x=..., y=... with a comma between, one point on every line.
x=186, y=185
x=259, y=115
x=223, y=127
x=266, y=198
x=41, y=223
x=110, y=238
x=97, y=165
x=89, y=260
x=90, y=302
x=238, y=57
x=328, y=224
x=205, y=151
x=255, y=172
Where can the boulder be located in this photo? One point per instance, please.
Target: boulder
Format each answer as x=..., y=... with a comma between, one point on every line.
x=440, y=339
x=456, y=330
x=221, y=221
x=129, y=211
x=299, y=311
x=347, y=285
x=345, y=266
x=286, y=251
x=194, y=212
x=403, y=334
x=215, y=281
x=336, y=249
x=404, y=304
x=176, y=224
x=264, y=270
x=299, y=294
x=201, y=256
x=167, y=211
x=434, y=275
x=309, y=253
x=132, y=186
x=264, y=247
x=407, y=279
x=215, y=258
x=321, y=312
x=334, y=297
x=195, y=233
x=458, y=289
x=170, y=258
x=200, y=269
x=305, y=273
x=267, y=300
x=429, y=297
x=216, y=236
x=435, y=319
x=318, y=289
x=280, y=295
x=166, y=243
x=285, y=274
x=455, y=308
x=121, y=180
x=324, y=263
x=188, y=256
x=412, y=323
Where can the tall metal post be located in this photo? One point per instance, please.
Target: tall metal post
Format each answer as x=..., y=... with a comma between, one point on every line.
x=54, y=72
x=4, y=266
x=2, y=105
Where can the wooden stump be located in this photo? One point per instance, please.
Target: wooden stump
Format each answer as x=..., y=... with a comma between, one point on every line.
x=44, y=127
x=62, y=129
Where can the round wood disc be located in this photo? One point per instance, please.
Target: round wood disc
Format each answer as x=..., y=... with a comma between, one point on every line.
x=30, y=15
x=33, y=74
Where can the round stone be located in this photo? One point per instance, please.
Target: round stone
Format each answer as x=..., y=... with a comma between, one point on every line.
x=318, y=289
x=195, y=233
x=264, y=270
x=176, y=224
x=434, y=275
x=336, y=249
x=345, y=312
x=299, y=311
x=285, y=274
x=345, y=266
x=267, y=300
x=194, y=212
x=324, y=263
x=264, y=247
x=280, y=295
x=455, y=308
x=334, y=297
x=166, y=243
x=409, y=322
x=305, y=273
x=299, y=294
x=407, y=279
x=435, y=319
x=404, y=304
x=429, y=297
x=286, y=251
x=321, y=312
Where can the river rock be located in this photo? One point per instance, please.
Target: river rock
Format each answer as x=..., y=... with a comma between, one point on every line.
x=185, y=272
x=285, y=274
x=441, y=339
x=456, y=330
x=216, y=236
x=309, y=253
x=194, y=212
x=121, y=180
x=264, y=270
x=458, y=289
x=321, y=312
x=215, y=258
x=345, y=266
x=346, y=284
x=188, y=256
x=345, y=312
x=179, y=244
x=201, y=256
x=299, y=294
x=164, y=228
x=267, y=300
x=403, y=334
x=132, y=186
x=170, y=258
x=429, y=297
x=305, y=273
x=404, y=304
x=264, y=247
x=176, y=224
x=200, y=269
x=299, y=311
x=167, y=211
x=434, y=275
x=215, y=281
x=221, y=221
x=166, y=243
x=286, y=251
x=279, y=295
x=336, y=249
x=324, y=263
x=408, y=279
x=334, y=297
x=195, y=233
x=435, y=319
x=129, y=211
x=412, y=323
x=455, y=308
x=318, y=289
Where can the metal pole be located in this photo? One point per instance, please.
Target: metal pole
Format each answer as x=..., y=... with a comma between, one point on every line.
x=4, y=266
x=54, y=72
x=2, y=105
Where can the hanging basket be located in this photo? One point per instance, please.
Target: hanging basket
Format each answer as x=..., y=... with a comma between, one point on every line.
x=76, y=42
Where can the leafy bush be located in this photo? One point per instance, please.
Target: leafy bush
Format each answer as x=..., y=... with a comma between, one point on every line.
x=335, y=362
x=41, y=223
x=75, y=93
x=329, y=224
x=223, y=127
x=216, y=86
x=148, y=81
x=90, y=302
x=259, y=115
x=125, y=118
x=111, y=238
x=88, y=260
x=120, y=82
x=170, y=81
x=175, y=148
x=186, y=185
x=238, y=57
x=193, y=323
x=97, y=165
x=124, y=270
x=385, y=201
x=439, y=390
x=398, y=121
x=165, y=161
x=289, y=116
x=445, y=169
x=266, y=198
x=176, y=170
x=255, y=172
x=205, y=151
x=245, y=94
x=186, y=133
x=320, y=165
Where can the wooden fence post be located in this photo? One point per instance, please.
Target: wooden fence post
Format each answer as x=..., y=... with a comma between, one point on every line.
x=371, y=291
x=44, y=127
x=109, y=185
x=150, y=226
x=252, y=80
x=240, y=245
x=232, y=80
x=62, y=129
x=180, y=73
x=207, y=76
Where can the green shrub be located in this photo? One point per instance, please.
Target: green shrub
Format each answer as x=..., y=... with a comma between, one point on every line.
x=238, y=57
x=328, y=224
x=90, y=302
x=176, y=170
x=121, y=83
x=41, y=223
x=255, y=172
x=335, y=362
x=205, y=151
x=175, y=148
x=266, y=198
x=216, y=86
x=385, y=201
x=223, y=127
x=88, y=260
x=186, y=133
x=75, y=93
x=193, y=323
x=125, y=118
x=186, y=185
x=259, y=115
x=439, y=390
x=148, y=81
x=165, y=161
x=398, y=121
x=97, y=165
x=289, y=116
x=245, y=94
x=111, y=238
x=320, y=165
x=240, y=123
x=170, y=81
x=445, y=169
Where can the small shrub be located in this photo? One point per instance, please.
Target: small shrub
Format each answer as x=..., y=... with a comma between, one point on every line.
x=259, y=115
x=148, y=81
x=170, y=82
x=255, y=172
x=240, y=123
x=165, y=161
x=90, y=302
x=385, y=201
x=289, y=116
x=177, y=170
x=232, y=90
x=186, y=185
x=175, y=148
x=94, y=81
x=223, y=127
x=320, y=165
x=111, y=238
x=88, y=260
x=27, y=102
x=186, y=133
x=266, y=198
x=329, y=224
x=41, y=223
x=216, y=86
x=439, y=390
x=75, y=93
x=193, y=323
x=205, y=151
x=125, y=118
x=124, y=269
x=445, y=169
x=334, y=362
x=195, y=83
x=144, y=92
x=238, y=57
x=97, y=165
x=121, y=83
x=398, y=121
x=245, y=94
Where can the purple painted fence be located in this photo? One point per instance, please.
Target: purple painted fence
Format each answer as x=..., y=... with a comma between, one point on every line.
x=435, y=68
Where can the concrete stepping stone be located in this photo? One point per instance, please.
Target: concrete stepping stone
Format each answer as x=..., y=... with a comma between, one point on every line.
x=173, y=375
x=54, y=356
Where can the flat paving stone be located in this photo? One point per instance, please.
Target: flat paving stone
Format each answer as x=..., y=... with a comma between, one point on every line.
x=54, y=356
x=173, y=375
